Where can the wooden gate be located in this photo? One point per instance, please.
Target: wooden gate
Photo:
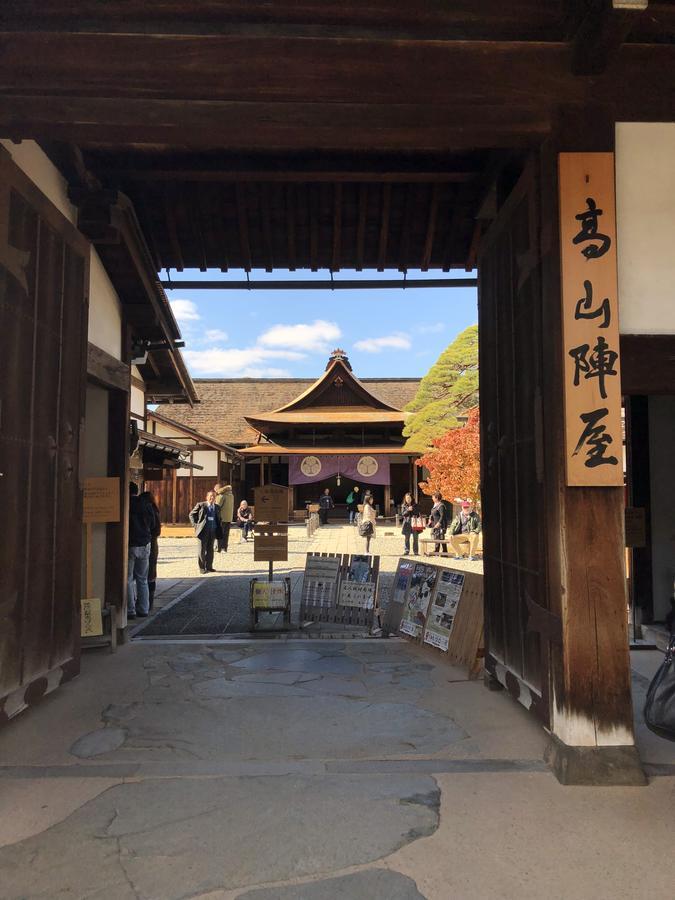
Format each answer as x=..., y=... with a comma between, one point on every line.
x=43, y=329
x=511, y=364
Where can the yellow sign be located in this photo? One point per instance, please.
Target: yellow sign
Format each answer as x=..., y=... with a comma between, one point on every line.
x=101, y=500
x=91, y=620
x=271, y=503
x=592, y=378
x=269, y=595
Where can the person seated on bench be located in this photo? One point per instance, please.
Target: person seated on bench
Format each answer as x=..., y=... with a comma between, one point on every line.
x=465, y=531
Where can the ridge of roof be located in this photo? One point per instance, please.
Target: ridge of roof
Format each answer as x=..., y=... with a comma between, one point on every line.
x=297, y=380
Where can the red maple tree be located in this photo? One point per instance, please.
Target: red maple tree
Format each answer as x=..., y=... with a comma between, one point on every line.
x=453, y=462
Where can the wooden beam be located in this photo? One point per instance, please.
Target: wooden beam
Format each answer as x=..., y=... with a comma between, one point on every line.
x=313, y=203
x=231, y=67
x=290, y=216
x=600, y=33
x=406, y=228
x=647, y=363
x=265, y=218
x=361, y=226
x=242, y=219
x=431, y=228
x=287, y=127
x=384, y=228
x=107, y=370
x=309, y=174
x=337, y=226
x=173, y=234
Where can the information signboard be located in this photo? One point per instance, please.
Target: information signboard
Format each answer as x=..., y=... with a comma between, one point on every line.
x=91, y=619
x=443, y=608
x=319, y=585
x=357, y=594
x=271, y=503
x=416, y=606
x=268, y=595
x=101, y=501
x=270, y=543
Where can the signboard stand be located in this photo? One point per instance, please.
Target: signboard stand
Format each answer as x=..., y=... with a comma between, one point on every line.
x=340, y=590
x=270, y=544
x=270, y=597
x=101, y=504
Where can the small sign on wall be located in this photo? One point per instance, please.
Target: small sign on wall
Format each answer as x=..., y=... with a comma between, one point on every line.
x=589, y=285
x=101, y=500
x=636, y=526
x=91, y=619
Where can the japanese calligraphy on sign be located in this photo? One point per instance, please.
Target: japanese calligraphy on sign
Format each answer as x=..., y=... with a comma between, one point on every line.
x=590, y=320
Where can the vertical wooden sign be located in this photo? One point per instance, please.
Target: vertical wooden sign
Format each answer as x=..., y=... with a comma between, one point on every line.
x=593, y=438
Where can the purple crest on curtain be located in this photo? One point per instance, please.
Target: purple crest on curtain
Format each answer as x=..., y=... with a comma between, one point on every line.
x=371, y=468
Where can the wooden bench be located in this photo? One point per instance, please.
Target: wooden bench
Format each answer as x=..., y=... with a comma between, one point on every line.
x=428, y=547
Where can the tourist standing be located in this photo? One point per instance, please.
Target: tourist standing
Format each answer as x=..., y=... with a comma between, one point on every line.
x=412, y=524
x=225, y=502
x=465, y=531
x=206, y=520
x=367, y=526
x=244, y=520
x=352, y=503
x=438, y=521
x=325, y=505
x=155, y=532
x=140, y=539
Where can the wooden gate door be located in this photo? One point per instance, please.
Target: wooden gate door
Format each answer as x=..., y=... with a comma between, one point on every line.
x=43, y=329
x=511, y=363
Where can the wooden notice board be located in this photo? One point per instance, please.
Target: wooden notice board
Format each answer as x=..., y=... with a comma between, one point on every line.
x=636, y=526
x=593, y=439
x=270, y=543
x=101, y=500
x=271, y=503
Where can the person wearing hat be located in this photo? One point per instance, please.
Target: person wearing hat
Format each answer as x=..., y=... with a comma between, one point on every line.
x=465, y=531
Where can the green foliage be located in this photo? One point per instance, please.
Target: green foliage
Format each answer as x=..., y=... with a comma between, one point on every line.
x=449, y=389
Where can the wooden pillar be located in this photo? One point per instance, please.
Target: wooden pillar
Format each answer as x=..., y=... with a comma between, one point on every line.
x=174, y=496
x=591, y=717
x=262, y=471
x=387, y=500
x=191, y=494
x=117, y=533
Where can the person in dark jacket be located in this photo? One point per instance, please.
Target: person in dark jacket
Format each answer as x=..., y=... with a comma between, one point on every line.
x=410, y=512
x=141, y=523
x=244, y=520
x=438, y=521
x=206, y=520
x=325, y=505
x=155, y=532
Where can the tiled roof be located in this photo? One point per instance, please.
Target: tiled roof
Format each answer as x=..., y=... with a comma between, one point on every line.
x=223, y=402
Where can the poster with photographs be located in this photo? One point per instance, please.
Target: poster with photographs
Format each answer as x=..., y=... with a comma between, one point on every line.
x=359, y=569
x=416, y=605
x=443, y=608
x=401, y=581
x=319, y=587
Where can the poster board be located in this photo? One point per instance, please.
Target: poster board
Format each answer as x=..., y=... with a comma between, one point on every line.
x=91, y=618
x=416, y=606
x=443, y=608
x=268, y=595
x=397, y=594
x=101, y=500
x=358, y=594
x=320, y=583
x=270, y=543
x=466, y=644
x=271, y=503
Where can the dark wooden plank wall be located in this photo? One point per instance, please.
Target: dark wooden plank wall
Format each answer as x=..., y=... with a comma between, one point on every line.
x=512, y=468
x=43, y=322
x=163, y=491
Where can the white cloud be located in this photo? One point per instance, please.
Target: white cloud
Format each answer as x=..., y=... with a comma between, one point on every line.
x=236, y=362
x=396, y=341
x=313, y=336
x=185, y=310
x=430, y=328
x=212, y=335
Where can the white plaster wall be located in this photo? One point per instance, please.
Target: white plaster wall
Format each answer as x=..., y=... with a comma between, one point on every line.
x=662, y=475
x=137, y=401
x=95, y=463
x=105, y=317
x=167, y=431
x=645, y=199
x=206, y=458
x=105, y=311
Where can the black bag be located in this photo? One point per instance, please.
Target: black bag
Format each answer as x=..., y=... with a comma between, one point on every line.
x=660, y=704
x=365, y=529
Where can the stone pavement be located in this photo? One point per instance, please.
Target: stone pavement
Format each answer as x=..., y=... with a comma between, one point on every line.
x=315, y=770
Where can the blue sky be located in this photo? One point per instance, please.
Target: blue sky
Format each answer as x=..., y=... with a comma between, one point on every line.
x=386, y=333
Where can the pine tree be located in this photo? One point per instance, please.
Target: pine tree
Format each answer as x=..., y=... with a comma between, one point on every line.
x=448, y=390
